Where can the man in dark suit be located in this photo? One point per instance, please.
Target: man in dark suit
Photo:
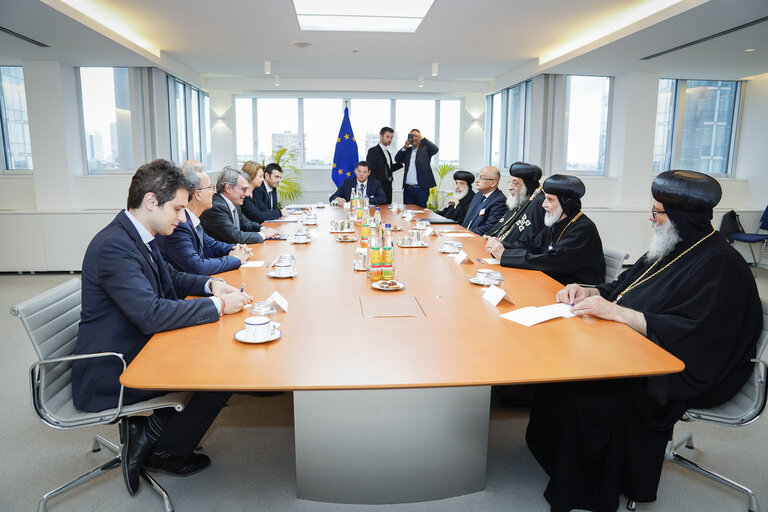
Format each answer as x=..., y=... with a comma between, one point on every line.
x=189, y=248
x=225, y=221
x=416, y=155
x=365, y=184
x=458, y=204
x=380, y=162
x=264, y=205
x=129, y=293
x=489, y=203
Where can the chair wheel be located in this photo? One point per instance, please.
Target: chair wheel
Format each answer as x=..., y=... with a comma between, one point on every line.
x=631, y=505
x=96, y=450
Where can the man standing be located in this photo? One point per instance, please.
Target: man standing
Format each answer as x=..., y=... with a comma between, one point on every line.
x=525, y=215
x=416, y=155
x=458, y=204
x=365, y=184
x=488, y=205
x=693, y=295
x=569, y=248
x=265, y=197
x=380, y=162
x=189, y=248
x=224, y=220
x=129, y=293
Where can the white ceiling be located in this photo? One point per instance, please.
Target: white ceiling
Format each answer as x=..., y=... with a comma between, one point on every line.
x=481, y=40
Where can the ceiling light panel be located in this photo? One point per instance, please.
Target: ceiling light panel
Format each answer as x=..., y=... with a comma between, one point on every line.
x=360, y=16
x=358, y=23
x=413, y=8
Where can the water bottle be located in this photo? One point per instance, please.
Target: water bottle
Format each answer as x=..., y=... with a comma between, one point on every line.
x=387, y=254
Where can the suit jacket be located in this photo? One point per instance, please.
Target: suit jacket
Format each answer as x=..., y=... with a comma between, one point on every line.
x=457, y=212
x=492, y=209
x=373, y=190
x=256, y=206
x=187, y=252
x=217, y=222
x=379, y=164
x=126, y=298
x=424, y=155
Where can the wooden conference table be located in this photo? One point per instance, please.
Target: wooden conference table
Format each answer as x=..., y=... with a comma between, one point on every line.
x=391, y=409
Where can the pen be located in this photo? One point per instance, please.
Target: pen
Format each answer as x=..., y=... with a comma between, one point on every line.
x=479, y=260
x=242, y=288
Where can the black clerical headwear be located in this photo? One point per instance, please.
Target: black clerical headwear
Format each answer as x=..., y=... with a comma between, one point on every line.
x=529, y=173
x=688, y=198
x=464, y=176
x=568, y=189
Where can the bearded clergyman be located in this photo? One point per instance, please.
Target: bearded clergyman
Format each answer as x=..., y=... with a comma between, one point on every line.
x=458, y=203
x=525, y=215
x=568, y=249
x=693, y=295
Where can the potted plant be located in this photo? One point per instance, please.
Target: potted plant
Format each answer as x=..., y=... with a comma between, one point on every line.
x=290, y=189
x=435, y=196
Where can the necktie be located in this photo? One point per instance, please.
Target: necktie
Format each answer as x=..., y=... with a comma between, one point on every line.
x=389, y=158
x=236, y=218
x=472, y=215
x=157, y=260
x=201, y=238
x=362, y=190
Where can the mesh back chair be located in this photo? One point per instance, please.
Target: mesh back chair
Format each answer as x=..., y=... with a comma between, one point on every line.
x=614, y=262
x=742, y=409
x=734, y=232
x=51, y=321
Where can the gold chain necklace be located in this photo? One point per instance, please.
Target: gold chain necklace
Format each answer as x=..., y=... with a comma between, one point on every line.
x=567, y=225
x=640, y=279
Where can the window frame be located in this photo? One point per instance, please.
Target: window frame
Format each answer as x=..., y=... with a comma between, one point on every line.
x=523, y=123
x=599, y=172
x=5, y=151
x=203, y=127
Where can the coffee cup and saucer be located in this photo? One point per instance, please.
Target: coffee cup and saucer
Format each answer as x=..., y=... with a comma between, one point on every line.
x=283, y=270
x=258, y=329
x=486, y=277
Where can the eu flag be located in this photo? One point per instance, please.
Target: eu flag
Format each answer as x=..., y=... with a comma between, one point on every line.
x=345, y=156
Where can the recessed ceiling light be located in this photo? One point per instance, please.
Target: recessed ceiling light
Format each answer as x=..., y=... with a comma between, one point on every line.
x=434, y=69
x=267, y=67
x=749, y=50
x=360, y=15
x=421, y=81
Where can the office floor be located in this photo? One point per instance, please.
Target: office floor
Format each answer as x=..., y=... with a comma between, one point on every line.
x=251, y=444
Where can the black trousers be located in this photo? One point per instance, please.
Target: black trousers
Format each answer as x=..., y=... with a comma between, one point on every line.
x=183, y=430
x=418, y=196
x=387, y=186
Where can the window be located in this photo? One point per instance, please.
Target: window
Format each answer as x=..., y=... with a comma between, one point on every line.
x=14, y=124
x=450, y=132
x=321, y=125
x=277, y=121
x=410, y=114
x=586, y=114
x=188, y=111
x=665, y=119
x=368, y=117
x=508, y=125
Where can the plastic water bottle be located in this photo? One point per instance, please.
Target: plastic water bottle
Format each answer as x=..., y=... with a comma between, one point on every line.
x=365, y=230
x=375, y=257
x=387, y=254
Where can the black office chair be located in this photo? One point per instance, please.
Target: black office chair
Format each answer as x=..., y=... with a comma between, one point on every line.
x=732, y=229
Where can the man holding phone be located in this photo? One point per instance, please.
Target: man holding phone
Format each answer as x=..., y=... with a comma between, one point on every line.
x=416, y=156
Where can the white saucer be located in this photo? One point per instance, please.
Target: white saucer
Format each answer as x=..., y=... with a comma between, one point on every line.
x=449, y=252
x=478, y=281
x=400, y=286
x=291, y=240
x=243, y=336
x=272, y=273
x=351, y=239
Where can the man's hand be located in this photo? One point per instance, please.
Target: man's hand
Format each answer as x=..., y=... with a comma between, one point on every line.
x=241, y=252
x=269, y=233
x=234, y=302
x=454, y=200
x=601, y=308
x=573, y=294
x=220, y=288
x=339, y=201
x=494, y=247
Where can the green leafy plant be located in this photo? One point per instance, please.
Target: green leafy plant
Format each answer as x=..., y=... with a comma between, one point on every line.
x=435, y=196
x=290, y=189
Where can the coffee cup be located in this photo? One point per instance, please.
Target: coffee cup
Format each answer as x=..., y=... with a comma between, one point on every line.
x=484, y=275
x=258, y=327
x=300, y=237
x=415, y=235
x=284, y=268
x=422, y=224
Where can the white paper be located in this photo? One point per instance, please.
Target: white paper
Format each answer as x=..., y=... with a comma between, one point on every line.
x=252, y=264
x=532, y=315
x=461, y=257
x=278, y=300
x=459, y=235
x=494, y=295
x=490, y=261
x=429, y=232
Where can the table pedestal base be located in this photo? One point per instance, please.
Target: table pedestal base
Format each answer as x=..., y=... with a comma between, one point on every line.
x=391, y=445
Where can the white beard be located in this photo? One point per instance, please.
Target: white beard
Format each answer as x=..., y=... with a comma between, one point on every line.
x=461, y=195
x=552, y=216
x=517, y=199
x=663, y=240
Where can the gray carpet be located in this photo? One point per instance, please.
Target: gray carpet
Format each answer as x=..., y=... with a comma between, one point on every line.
x=251, y=444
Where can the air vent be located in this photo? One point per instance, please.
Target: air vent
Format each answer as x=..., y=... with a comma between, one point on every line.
x=23, y=38
x=713, y=36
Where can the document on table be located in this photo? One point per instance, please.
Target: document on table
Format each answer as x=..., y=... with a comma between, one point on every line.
x=532, y=315
x=463, y=234
x=490, y=261
x=252, y=264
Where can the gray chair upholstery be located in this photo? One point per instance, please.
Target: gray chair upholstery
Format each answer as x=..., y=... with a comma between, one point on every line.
x=51, y=320
x=742, y=409
x=614, y=262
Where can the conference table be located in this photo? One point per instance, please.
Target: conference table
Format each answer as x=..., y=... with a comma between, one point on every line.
x=391, y=389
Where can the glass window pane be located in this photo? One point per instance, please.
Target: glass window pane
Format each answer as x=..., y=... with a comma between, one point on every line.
x=13, y=116
x=410, y=114
x=515, y=124
x=181, y=123
x=194, y=124
x=496, y=130
x=665, y=119
x=322, y=118
x=450, y=131
x=368, y=117
x=107, y=118
x=278, y=127
x=707, y=125
x=587, y=126
x=207, y=130
x=244, y=129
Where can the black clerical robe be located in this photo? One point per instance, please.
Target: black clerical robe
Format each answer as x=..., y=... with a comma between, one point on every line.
x=569, y=252
x=459, y=211
x=599, y=439
x=518, y=224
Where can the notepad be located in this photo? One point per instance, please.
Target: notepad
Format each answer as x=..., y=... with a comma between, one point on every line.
x=532, y=315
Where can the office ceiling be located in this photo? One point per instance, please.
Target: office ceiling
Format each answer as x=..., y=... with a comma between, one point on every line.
x=471, y=40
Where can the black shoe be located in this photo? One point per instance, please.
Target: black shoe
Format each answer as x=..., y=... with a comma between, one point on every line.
x=177, y=466
x=136, y=447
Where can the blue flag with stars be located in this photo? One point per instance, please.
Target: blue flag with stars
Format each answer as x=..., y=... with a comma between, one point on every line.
x=345, y=156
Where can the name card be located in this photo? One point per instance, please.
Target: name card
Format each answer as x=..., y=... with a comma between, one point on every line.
x=313, y=233
x=429, y=232
x=278, y=300
x=494, y=295
x=252, y=264
x=462, y=257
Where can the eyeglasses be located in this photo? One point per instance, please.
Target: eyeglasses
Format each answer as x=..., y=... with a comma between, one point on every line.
x=655, y=212
x=209, y=187
x=483, y=178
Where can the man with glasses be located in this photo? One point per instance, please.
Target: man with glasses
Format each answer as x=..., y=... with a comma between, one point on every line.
x=489, y=203
x=525, y=215
x=693, y=295
x=224, y=220
x=189, y=248
x=569, y=248
x=365, y=184
x=416, y=155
